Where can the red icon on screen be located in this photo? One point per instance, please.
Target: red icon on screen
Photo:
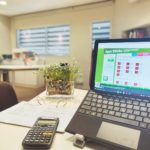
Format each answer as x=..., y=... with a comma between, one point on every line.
x=135, y=84
x=117, y=82
x=136, y=68
x=126, y=83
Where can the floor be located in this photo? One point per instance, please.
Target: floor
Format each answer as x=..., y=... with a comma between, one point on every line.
x=26, y=94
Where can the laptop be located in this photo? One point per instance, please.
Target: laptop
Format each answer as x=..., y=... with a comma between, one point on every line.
x=116, y=109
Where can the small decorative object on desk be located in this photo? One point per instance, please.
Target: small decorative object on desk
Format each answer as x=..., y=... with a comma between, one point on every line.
x=60, y=78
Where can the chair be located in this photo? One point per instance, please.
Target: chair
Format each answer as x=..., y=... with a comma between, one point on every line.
x=8, y=96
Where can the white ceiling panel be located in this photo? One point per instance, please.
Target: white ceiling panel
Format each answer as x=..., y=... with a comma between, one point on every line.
x=18, y=7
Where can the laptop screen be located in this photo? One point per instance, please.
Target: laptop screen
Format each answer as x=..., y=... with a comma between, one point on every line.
x=122, y=66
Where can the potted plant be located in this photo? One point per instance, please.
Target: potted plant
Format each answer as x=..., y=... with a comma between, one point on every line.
x=60, y=78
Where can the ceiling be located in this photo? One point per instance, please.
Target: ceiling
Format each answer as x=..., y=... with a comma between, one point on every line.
x=18, y=7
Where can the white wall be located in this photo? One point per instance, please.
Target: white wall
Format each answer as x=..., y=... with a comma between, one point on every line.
x=5, y=46
x=130, y=15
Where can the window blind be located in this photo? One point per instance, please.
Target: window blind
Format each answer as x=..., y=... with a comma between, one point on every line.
x=52, y=40
x=100, y=30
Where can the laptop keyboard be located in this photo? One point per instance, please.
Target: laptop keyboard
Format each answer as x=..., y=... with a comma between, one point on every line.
x=123, y=109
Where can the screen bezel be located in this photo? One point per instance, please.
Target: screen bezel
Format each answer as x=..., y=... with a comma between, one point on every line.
x=94, y=55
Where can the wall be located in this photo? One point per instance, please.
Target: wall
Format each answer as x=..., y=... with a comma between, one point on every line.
x=80, y=19
x=5, y=46
x=130, y=15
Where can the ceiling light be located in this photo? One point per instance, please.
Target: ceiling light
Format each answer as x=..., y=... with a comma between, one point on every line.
x=3, y=2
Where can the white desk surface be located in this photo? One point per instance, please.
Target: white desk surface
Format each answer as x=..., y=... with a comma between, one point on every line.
x=11, y=136
x=20, y=67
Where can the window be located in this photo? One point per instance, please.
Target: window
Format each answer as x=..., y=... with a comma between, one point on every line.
x=52, y=40
x=100, y=30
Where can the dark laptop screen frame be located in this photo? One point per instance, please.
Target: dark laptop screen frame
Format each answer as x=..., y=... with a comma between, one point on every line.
x=95, y=51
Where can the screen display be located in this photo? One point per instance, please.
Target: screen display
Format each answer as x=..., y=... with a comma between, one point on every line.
x=123, y=67
x=46, y=122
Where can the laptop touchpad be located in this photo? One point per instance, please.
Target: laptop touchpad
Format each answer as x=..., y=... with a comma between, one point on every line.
x=118, y=134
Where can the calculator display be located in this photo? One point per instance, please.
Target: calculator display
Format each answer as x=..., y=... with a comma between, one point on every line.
x=44, y=121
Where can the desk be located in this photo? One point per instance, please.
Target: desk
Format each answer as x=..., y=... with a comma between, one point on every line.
x=11, y=135
x=5, y=69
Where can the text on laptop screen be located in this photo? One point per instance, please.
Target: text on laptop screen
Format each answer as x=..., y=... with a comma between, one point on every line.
x=123, y=67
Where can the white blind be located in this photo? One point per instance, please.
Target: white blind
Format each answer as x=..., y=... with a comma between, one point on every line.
x=52, y=40
x=100, y=30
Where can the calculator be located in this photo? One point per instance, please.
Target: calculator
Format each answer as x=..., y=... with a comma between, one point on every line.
x=41, y=135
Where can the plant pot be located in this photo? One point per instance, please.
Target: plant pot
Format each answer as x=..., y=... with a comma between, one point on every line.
x=59, y=87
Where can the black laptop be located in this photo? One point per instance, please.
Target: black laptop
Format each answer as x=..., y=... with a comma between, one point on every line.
x=116, y=109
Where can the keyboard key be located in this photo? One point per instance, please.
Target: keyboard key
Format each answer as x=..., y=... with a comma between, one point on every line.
x=105, y=102
x=148, y=104
x=86, y=107
x=88, y=98
x=146, y=120
x=142, y=104
x=98, y=105
x=124, y=115
x=87, y=112
x=94, y=99
x=116, y=104
x=93, y=104
x=111, y=103
x=144, y=114
x=116, y=99
x=136, y=112
x=90, y=95
x=93, y=113
x=129, y=101
x=132, y=117
x=95, y=95
x=146, y=100
x=100, y=97
x=118, y=114
x=122, y=101
x=116, y=108
x=135, y=102
x=104, y=106
x=99, y=114
x=129, y=106
x=122, y=120
x=143, y=125
x=105, y=111
x=122, y=109
x=123, y=105
x=111, y=112
x=143, y=109
x=81, y=110
x=99, y=101
x=94, y=108
x=139, y=118
x=136, y=107
x=87, y=102
x=110, y=107
x=99, y=110
x=148, y=126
